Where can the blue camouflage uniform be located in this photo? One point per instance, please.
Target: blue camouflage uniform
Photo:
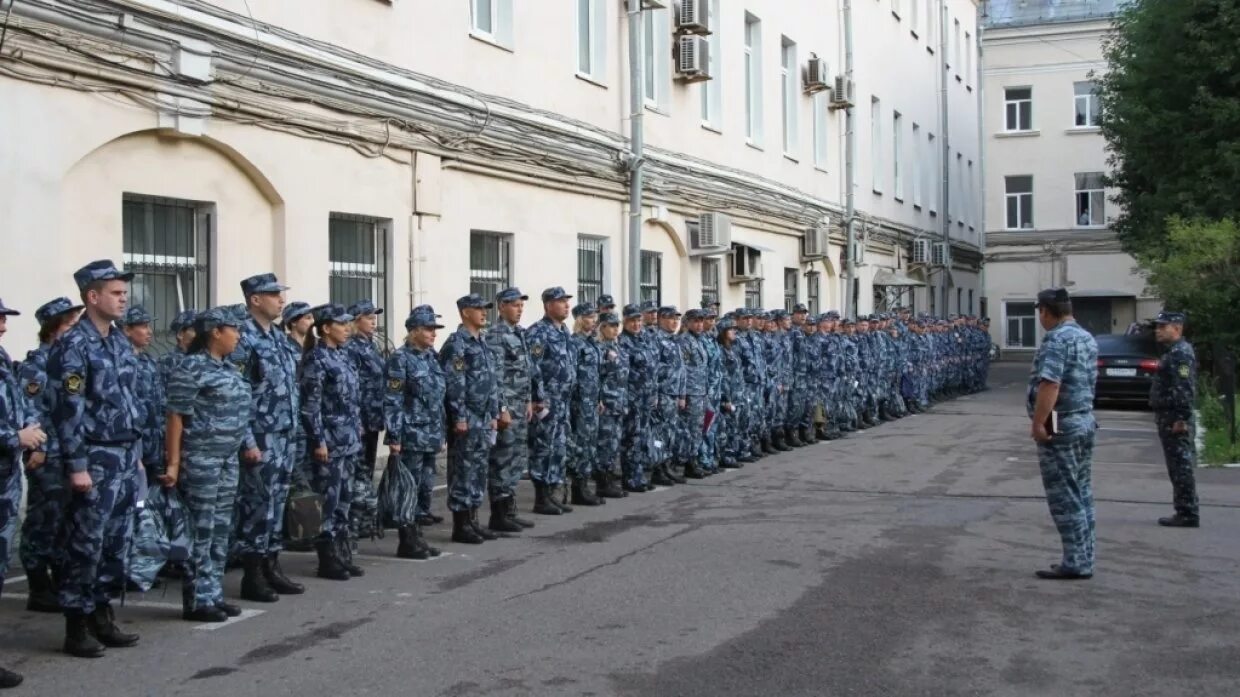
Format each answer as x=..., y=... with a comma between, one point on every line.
x=413, y=408
x=583, y=436
x=149, y=392
x=613, y=374
x=709, y=453
x=1173, y=395
x=733, y=442
x=642, y=395
x=1068, y=356
x=214, y=400
x=299, y=474
x=167, y=362
x=97, y=422
x=471, y=397
x=16, y=413
x=667, y=426
x=692, y=419
x=519, y=387
x=552, y=352
x=369, y=363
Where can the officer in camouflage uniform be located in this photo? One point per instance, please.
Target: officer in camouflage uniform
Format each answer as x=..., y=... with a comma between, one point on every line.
x=641, y=396
x=269, y=363
x=752, y=371
x=46, y=494
x=520, y=397
x=557, y=369
x=209, y=405
x=149, y=390
x=413, y=409
x=690, y=434
x=671, y=397
x=800, y=371
x=93, y=371
x=613, y=376
x=331, y=416
x=1173, y=395
x=473, y=410
x=182, y=328
x=1064, y=372
x=369, y=364
x=584, y=410
x=297, y=321
x=708, y=453
x=732, y=443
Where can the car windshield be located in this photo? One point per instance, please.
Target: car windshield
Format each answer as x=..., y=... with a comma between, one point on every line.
x=1129, y=345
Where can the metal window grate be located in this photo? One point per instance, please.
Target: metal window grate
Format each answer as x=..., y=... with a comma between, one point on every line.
x=753, y=294
x=791, y=289
x=710, y=280
x=165, y=243
x=652, y=277
x=358, y=262
x=812, y=292
x=591, y=256
x=490, y=265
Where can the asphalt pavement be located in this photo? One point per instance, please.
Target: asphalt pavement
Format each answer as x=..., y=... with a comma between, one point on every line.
x=898, y=561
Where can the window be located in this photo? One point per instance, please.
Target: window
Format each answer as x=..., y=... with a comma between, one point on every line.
x=918, y=163
x=1018, y=109
x=591, y=263
x=1088, y=107
x=933, y=294
x=876, y=145
x=592, y=39
x=491, y=20
x=490, y=265
x=956, y=47
x=932, y=176
x=712, y=89
x=821, y=133
x=753, y=79
x=357, y=254
x=791, y=290
x=753, y=294
x=895, y=7
x=484, y=12
x=912, y=16
x=649, y=78
x=897, y=156
x=710, y=280
x=970, y=301
x=957, y=201
x=812, y=292
x=969, y=194
x=652, y=277
x=1019, y=201
x=166, y=244
x=1022, y=321
x=1090, y=200
x=968, y=59
x=960, y=301
x=656, y=58
x=789, y=81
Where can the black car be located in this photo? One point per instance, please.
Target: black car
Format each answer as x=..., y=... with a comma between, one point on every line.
x=1126, y=367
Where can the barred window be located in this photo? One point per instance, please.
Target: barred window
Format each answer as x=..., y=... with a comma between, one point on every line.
x=710, y=280
x=490, y=265
x=791, y=289
x=812, y=292
x=357, y=254
x=652, y=277
x=591, y=261
x=753, y=294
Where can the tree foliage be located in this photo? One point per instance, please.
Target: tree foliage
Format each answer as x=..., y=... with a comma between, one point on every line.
x=1171, y=100
x=1198, y=270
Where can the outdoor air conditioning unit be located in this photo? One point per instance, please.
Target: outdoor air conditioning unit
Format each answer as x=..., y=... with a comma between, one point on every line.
x=843, y=93
x=712, y=234
x=692, y=58
x=817, y=77
x=921, y=251
x=941, y=254
x=814, y=242
x=744, y=264
x=693, y=16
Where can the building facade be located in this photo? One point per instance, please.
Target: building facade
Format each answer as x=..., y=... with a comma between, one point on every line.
x=1048, y=211
x=413, y=151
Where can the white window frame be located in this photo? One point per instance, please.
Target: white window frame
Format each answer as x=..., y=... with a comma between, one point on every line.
x=1092, y=195
x=593, y=40
x=1019, y=342
x=712, y=89
x=501, y=20
x=822, y=132
x=968, y=59
x=896, y=9
x=790, y=82
x=1019, y=104
x=1023, y=201
x=876, y=145
x=897, y=155
x=913, y=17
x=753, y=80
x=918, y=163
x=970, y=211
x=956, y=46
x=932, y=169
x=1090, y=99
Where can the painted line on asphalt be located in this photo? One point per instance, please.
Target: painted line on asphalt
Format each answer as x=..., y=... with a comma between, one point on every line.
x=385, y=557
x=15, y=579
x=246, y=614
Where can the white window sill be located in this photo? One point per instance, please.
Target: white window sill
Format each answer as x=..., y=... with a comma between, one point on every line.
x=824, y=170
x=969, y=87
x=591, y=79
x=1018, y=134
x=876, y=192
x=754, y=145
x=489, y=39
x=1089, y=227
x=712, y=128
x=1082, y=130
x=913, y=32
x=1020, y=229
x=792, y=158
x=916, y=206
x=899, y=200
x=656, y=109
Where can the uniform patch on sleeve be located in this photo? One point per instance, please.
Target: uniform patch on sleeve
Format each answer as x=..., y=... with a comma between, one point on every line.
x=73, y=383
x=32, y=388
x=1184, y=371
x=536, y=351
x=458, y=364
x=394, y=384
x=240, y=365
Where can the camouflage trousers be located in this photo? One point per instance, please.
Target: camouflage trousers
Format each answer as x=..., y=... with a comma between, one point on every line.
x=509, y=458
x=364, y=509
x=209, y=485
x=689, y=431
x=800, y=406
x=755, y=410
x=299, y=478
x=1067, y=474
x=636, y=444
x=467, y=468
x=610, y=432
x=46, y=496
x=262, y=493
x=583, y=439
x=777, y=407
x=549, y=442
x=98, y=525
x=665, y=426
x=1180, y=454
x=406, y=492
x=731, y=440
x=10, y=499
x=707, y=447
x=333, y=480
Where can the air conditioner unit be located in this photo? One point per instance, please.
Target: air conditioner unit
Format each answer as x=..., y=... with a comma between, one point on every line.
x=921, y=251
x=817, y=76
x=941, y=254
x=744, y=264
x=711, y=234
x=693, y=16
x=843, y=93
x=814, y=242
x=692, y=58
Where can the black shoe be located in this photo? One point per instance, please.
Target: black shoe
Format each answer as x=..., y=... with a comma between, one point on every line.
x=481, y=531
x=425, y=520
x=605, y=486
x=692, y=471
x=660, y=478
x=1058, y=573
x=9, y=679
x=499, y=521
x=558, y=498
x=279, y=582
x=254, y=586
x=209, y=613
x=510, y=505
x=792, y=439
x=1179, y=521
x=746, y=459
x=672, y=474
x=78, y=638
x=407, y=548
x=729, y=464
x=228, y=608
x=581, y=495
x=344, y=551
x=42, y=597
x=639, y=489
x=102, y=623
x=542, y=500
x=421, y=545
x=329, y=563
x=777, y=441
x=462, y=531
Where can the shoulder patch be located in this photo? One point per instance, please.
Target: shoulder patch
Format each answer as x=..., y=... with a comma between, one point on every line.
x=458, y=364
x=395, y=384
x=240, y=366
x=536, y=351
x=1184, y=371
x=33, y=387
x=73, y=383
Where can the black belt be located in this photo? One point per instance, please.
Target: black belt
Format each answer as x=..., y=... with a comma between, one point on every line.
x=113, y=443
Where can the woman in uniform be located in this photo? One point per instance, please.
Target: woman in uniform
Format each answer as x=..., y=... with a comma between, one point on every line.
x=613, y=377
x=584, y=406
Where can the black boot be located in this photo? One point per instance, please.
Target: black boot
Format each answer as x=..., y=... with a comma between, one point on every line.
x=407, y=547
x=254, y=586
x=9, y=679
x=500, y=522
x=279, y=582
x=605, y=486
x=558, y=497
x=542, y=500
x=692, y=471
x=778, y=440
x=228, y=608
x=206, y=614
x=344, y=548
x=793, y=439
x=78, y=639
x=510, y=508
x=660, y=478
x=807, y=436
x=420, y=543
x=42, y=596
x=481, y=531
x=767, y=447
x=670, y=470
x=462, y=531
x=102, y=624
x=329, y=563
x=581, y=496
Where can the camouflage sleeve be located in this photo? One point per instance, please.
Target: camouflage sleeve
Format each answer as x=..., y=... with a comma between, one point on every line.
x=312, y=402
x=33, y=381
x=1052, y=360
x=9, y=442
x=454, y=383
x=182, y=389
x=67, y=373
x=245, y=353
x=394, y=399
x=1178, y=397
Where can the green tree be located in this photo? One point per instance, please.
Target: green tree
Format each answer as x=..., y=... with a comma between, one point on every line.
x=1171, y=100
x=1197, y=269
